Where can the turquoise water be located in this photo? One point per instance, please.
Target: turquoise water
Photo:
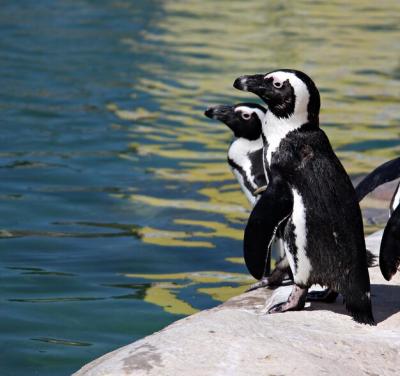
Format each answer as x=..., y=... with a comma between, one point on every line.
x=119, y=213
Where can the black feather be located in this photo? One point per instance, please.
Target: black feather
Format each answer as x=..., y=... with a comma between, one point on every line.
x=389, y=255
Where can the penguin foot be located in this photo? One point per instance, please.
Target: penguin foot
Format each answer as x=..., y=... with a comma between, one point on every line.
x=325, y=296
x=278, y=277
x=263, y=282
x=295, y=302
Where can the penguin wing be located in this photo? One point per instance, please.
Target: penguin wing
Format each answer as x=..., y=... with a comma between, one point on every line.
x=274, y=206
x=389, y=255
x=382, y=174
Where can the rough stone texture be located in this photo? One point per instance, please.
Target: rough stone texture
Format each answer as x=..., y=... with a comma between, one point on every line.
x=238, y=338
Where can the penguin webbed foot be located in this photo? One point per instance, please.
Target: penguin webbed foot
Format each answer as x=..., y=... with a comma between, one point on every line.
x=295, y=302
x=278, y=277
x=324, y=296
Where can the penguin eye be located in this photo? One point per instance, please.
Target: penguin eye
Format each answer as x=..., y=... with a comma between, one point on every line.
x=277, y=84
x=245, y=116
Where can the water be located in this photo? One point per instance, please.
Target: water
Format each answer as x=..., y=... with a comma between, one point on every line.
x=119, y=213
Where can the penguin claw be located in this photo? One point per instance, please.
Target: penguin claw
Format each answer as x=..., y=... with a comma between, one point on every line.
x=277, y=308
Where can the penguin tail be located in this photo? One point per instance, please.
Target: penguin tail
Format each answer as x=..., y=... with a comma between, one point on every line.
x=358, y=297
x=362, y=314
x=389, y=255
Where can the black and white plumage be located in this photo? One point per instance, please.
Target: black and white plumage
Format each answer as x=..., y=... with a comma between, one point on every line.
x=311, y=193
x=389, y=254
x=245, y=157
x=245, y=152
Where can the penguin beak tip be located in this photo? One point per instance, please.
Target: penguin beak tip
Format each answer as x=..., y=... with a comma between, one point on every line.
x=209, y=112
x=241, y=83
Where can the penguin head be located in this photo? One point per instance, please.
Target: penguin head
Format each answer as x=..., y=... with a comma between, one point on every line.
x=288, y=93
x=244, y=119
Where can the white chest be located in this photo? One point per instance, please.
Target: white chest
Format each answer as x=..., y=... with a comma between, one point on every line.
x=239, y=153
x=276, y=129
x=300, y=230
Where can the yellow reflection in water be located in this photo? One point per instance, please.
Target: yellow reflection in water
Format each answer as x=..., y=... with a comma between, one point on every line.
x=213, y=206
x=164, y=293
x=351, y=49
x=222, y=294
x=198, y=277
x=235, y=260
x=172, y=238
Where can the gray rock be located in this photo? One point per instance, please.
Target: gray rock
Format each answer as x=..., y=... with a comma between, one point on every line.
x=238, y=338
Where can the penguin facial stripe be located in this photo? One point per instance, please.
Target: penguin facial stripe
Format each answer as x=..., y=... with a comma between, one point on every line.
x=250, y=111
x=275, y=128
x=301, y=93
x=300, y=230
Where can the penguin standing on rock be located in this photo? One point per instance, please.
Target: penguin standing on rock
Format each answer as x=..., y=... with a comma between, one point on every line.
x=389, y=254
x=310, y=194
x=245, y=157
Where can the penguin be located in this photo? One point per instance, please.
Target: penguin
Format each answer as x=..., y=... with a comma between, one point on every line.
x=389, y=254
x=245, y=152
x=310, y=194
x=246, y=162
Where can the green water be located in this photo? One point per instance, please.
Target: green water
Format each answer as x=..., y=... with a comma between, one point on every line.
x=119, y=213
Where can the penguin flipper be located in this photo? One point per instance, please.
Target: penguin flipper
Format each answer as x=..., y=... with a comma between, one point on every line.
x=274, y=205
x=389, y=255
x=382, y=174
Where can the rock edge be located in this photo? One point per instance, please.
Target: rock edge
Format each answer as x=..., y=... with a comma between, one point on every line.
x=238, y=338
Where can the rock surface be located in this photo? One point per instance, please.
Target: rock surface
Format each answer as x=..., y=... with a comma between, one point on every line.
x=238, y=338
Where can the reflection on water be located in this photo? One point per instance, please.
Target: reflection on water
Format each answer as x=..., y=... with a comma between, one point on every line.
x=164, y=293
x=119, y=213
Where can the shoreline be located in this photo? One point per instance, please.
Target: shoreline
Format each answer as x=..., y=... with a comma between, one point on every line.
x=237, y=338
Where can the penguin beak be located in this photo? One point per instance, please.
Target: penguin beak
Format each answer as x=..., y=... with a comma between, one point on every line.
x=254, y=84
x=218, y=112
x=209, y=112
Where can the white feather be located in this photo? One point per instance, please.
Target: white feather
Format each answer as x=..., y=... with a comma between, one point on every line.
x=275, y=129
x=396, y=199
x=250, y=110
x=239, y=153
x=290, y=258
x=252, y=199
x=303, y=269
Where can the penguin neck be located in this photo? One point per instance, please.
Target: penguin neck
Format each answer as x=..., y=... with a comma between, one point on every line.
x=241, y=147
x=275, y=129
